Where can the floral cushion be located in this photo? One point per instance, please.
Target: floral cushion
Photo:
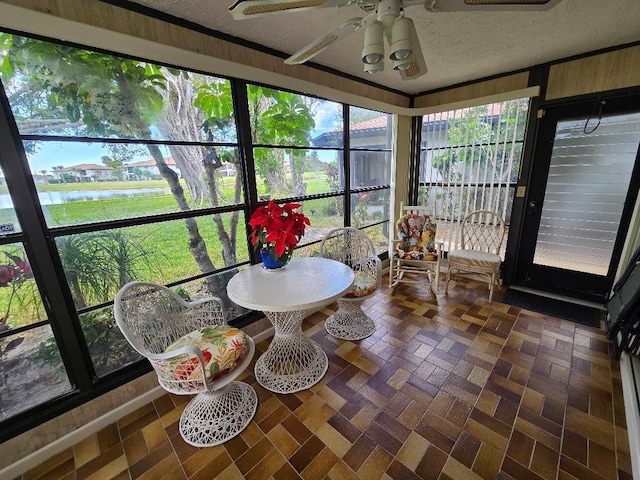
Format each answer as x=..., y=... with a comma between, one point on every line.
x=223, y=347
x=363, y=285
x=417, y=235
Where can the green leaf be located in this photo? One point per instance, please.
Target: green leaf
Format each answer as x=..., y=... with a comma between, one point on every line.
x=6, y=70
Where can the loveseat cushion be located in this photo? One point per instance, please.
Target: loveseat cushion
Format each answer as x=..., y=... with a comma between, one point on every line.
x=223, y=347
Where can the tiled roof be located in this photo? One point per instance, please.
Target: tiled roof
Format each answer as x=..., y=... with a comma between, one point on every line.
x=151, y=163
x=85, y=166
x=380, y=122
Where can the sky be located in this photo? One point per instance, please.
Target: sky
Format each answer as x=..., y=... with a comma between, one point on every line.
x=53, y=154
x=66, y=154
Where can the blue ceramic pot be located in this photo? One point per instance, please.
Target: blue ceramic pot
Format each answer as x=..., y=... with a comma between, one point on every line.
x=268, y=262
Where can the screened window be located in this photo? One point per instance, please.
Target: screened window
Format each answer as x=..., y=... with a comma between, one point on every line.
x=370, y=140
x=138, y=176
x=470, y=160
x=299, y=153
x=31, y=370
x=132, y=186
x=129, y=170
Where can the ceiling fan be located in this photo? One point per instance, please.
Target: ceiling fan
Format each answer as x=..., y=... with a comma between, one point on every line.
x=384, y=19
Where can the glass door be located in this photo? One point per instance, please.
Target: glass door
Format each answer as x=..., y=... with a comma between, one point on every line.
x=584, y=184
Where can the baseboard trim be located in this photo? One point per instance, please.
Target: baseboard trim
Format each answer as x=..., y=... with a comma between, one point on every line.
x=69, y=440
x=632, y=408
x=563, y=298
x=265, y=334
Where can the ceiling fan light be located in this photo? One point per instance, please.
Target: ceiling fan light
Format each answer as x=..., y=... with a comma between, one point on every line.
x=404, y=63
x=387, y=11
x=401, y=47
x=374, y=68
x=373, y=50
x=371, y=58
x=401, y=54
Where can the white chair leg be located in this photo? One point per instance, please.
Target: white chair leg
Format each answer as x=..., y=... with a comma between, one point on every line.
x=212, y=418
x=349, y=322
x=394, y=280
x=446, y=282
x=493, y=281
x=394, y=273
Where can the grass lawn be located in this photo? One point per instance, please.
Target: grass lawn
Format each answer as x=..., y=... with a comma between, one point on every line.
x=165, y=245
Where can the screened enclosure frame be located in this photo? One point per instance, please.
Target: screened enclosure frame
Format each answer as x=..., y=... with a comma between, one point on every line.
x=40, y=238
x=469, y=160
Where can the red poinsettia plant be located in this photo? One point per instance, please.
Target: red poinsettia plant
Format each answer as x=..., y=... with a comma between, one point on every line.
x=277, y=229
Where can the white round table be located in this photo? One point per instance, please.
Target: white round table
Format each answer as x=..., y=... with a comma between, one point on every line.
x=292, y=362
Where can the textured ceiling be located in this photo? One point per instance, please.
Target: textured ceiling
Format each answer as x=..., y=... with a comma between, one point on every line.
x=457, y=46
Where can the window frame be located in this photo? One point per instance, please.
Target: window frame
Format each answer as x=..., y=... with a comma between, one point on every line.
x=39, y=240
x=506, y=188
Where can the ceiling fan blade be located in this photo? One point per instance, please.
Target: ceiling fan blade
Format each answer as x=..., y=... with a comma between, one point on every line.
x=488, y=5
x=329, y=39
x=418, y=67
x=259, y=8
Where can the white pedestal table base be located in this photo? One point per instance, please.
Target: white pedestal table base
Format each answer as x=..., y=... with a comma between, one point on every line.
x=292, y=362
x=213, y=417
x=350, y=322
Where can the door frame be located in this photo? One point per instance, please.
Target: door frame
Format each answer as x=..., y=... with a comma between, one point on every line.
x=598, y=286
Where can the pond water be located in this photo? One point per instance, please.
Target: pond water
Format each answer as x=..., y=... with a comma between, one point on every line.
x=56, y=198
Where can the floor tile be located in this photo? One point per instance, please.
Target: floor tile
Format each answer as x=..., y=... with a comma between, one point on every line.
x=449, y=387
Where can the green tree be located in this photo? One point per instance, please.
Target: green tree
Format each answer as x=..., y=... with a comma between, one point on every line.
x=313, y=163
x=57, y=170
x=111, y=96
x=179, y=121
x=333, y=179
x=280, y=118
x=103, y=95
x=482, y=154
x=276, y=118
x=107, y=161
x=215, y=101
x=114, y=165
x=98, y=264
x=290, y=119
x=359, y=115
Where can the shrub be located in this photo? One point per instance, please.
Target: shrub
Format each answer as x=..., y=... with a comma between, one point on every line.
x=109, y=350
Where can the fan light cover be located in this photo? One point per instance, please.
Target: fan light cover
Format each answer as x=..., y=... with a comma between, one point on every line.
x=373, y=51
x=401, y=39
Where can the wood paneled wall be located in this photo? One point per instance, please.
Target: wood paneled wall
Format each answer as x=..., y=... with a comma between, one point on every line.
x=612, y=70
x=485, y=88
x=402, y=156
x=155, y=39
x=597, y=73
x=139, y=35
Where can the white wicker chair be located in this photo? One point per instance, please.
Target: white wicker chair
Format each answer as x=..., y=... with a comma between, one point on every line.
x=353, y=248
x=482, y=232
x=192, y=351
